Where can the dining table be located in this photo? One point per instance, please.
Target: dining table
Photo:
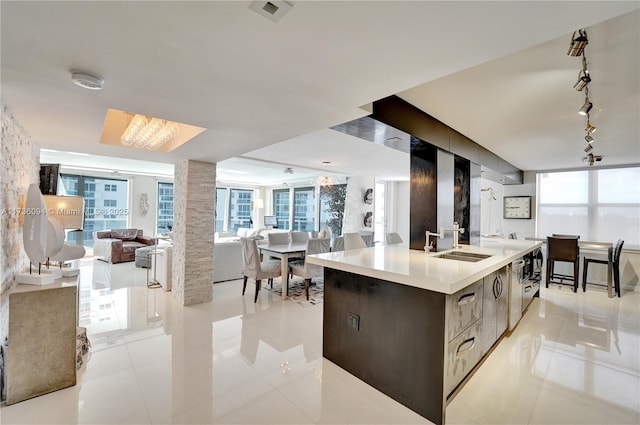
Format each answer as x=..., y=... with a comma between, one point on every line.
x=284, y=252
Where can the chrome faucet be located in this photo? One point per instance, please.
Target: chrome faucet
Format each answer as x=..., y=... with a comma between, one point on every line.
x=456, y=231
x=429, y=245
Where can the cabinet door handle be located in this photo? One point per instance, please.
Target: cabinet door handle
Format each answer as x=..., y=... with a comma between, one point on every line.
x=467, y=344
x=500, y=285
x=527, y=288
x=467, y=298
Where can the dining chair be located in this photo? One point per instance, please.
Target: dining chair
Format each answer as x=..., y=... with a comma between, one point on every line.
x=563, y=249
x=353, y=241
x=278, y=238
x=299, y=236
x=253, y=268
x=337, y=244
x=393, y=238
x=613, y=257
x=306, y=270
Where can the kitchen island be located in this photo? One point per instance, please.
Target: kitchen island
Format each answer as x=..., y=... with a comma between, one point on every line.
x=410, y=323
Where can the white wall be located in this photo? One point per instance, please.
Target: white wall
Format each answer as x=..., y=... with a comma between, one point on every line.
x=354, y=206
x=397, y=209
x=491, y=211
x=139, y=185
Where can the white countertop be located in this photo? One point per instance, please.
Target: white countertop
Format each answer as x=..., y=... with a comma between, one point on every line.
x=399, y=264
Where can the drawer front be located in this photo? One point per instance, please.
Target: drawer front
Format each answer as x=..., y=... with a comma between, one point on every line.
x=463, y=308
x=463, y=353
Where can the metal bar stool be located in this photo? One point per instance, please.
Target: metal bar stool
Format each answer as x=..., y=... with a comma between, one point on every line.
x=613, y=259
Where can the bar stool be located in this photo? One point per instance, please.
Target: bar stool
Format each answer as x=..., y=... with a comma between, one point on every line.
x=614, y=258
x=563, y=249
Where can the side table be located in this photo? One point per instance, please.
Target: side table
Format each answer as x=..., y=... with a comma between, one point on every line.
x=151, y=262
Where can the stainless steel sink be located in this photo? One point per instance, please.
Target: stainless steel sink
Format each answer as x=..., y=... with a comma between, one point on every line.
x=471, y=257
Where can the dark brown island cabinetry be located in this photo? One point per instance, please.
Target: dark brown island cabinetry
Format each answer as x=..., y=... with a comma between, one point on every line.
x=413, y=344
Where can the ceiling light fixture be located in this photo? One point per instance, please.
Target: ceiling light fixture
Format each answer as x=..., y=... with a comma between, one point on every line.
x=589, y=128
x=583, y=80
x=86, y=80
x=586, y=107
x=288, y=170
x=578, y=43
x=326, y=180
x=588, y=149
x=150, y=133
x=589, y=139
x=592, y=159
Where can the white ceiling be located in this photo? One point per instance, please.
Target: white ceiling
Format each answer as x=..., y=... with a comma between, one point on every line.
x=252, y=82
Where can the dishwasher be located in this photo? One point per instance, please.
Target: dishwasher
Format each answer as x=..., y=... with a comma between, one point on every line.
x=518, y=277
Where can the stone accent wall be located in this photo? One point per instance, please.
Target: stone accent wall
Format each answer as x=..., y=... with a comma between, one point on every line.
x=20, y=166
x=194, y=194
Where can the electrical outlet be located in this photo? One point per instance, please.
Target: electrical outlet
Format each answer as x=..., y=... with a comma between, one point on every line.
x=353, y=320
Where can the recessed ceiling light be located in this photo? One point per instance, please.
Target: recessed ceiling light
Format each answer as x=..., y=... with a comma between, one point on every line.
x=86, y=80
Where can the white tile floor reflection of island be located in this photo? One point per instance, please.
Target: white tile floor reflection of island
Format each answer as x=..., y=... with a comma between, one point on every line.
x=574, y=358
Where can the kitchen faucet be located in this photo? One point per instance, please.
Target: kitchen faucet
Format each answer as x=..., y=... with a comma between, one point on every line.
x=456, y=232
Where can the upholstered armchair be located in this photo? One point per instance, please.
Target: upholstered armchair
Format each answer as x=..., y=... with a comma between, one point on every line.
x=119, y=245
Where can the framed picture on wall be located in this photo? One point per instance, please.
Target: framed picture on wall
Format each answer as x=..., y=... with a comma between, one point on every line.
x=517, y=207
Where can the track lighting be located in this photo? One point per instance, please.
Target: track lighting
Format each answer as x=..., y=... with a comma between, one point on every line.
x=586, y=108
x=578, y=43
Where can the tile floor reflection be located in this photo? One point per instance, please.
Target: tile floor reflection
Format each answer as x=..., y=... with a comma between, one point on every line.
x=574, y=358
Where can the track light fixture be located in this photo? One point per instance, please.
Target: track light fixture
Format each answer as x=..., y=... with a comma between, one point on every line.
x=578, y=43
x=588, y=149
x=586, y=108
x=583, y=76
x=591, y=159
x=589, y=128
x=589, y=139
x=583, y=80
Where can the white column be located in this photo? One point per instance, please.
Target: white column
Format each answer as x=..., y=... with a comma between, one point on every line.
x=194, y=194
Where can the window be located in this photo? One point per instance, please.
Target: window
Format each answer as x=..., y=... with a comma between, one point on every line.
x=304, y=209
x=165, y=207
x=111, y=213
x=599, y=205
x=221, y=202
x=281, y=208
x=240, y=209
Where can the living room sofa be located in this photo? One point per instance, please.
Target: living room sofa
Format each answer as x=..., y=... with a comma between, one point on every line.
x=119, y=245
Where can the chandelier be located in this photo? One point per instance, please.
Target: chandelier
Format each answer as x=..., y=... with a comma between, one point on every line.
x=579, y=41
x=144, y=133
x=326, y=180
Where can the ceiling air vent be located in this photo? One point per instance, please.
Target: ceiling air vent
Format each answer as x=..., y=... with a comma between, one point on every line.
x=272, y=10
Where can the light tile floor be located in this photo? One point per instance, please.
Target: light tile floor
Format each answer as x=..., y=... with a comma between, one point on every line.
x=574, y=358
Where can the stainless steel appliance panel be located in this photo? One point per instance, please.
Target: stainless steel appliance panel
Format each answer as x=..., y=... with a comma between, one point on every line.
x=463, y=308
x=463, y=353
x=515, y=294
